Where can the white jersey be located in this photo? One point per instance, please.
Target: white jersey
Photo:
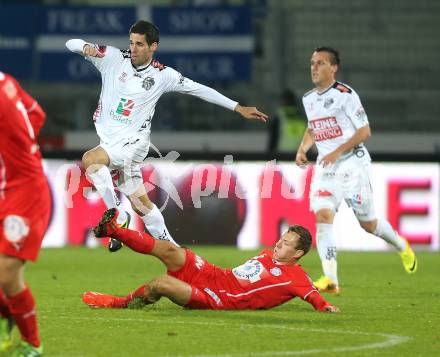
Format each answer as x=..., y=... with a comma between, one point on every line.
x=129, y=95
x=333, y=117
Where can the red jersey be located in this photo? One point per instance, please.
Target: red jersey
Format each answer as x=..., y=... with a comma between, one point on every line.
x=25, y=202
x=21, y=118
x=259, y=283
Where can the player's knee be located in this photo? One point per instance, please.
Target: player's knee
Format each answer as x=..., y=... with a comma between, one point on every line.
x=369, y=226
x=9, y=273
x=141, y=204
x=170, y=251
x=138, y=207
x=324, y=216
x=87, y=159
x=160, y=285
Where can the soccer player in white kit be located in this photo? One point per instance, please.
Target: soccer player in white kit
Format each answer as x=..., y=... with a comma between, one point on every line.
x=338, y=125
x=132, y=83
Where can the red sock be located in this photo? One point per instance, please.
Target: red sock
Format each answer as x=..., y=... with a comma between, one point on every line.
x=139, y=292
x=138, y=241
x=22, y=307
x=122, y=302
x=4, y=306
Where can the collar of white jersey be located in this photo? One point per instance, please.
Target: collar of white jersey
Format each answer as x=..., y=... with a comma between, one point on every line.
x=142, y=68
x=327, y=89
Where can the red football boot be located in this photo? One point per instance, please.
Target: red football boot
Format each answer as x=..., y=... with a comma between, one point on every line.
x=98, y=300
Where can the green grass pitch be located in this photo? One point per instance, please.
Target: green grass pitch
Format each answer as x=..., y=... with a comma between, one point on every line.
x=385, y=312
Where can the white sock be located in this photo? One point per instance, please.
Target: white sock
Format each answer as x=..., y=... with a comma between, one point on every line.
x=388, y=234
x=102, y=180
x=327, y=250
x=155, y=224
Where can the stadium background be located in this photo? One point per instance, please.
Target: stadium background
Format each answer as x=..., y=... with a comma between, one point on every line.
x=250, y=51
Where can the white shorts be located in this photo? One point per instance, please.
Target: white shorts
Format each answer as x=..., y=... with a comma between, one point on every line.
x=332, y=185
x=126, y=155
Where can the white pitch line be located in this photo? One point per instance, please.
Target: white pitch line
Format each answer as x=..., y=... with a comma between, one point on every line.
x=390, y=339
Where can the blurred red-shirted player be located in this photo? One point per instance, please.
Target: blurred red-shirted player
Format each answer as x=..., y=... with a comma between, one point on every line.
x=265, y=281
x=25, y=207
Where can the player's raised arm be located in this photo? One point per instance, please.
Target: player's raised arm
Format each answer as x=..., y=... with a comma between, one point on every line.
x=181, y=84
x=81, y=47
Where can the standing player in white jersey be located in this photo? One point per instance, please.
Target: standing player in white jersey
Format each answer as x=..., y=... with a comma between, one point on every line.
x=338, y=125
x=132, y=83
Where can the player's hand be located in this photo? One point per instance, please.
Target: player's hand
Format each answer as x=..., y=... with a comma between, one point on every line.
x=332, y=309
x=250, y=113
x=330, y=159
x=301, y=158
x=91, y=51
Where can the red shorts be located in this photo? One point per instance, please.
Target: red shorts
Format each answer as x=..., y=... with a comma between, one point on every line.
x=24, y=218
x=201, y=274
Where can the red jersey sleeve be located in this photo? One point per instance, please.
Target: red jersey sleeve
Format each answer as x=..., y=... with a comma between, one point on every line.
x=305, y=290
x=316, y=299
x=35, y=113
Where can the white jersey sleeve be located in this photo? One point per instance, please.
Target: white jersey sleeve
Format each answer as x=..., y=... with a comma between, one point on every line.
x=178, y=83
x=112, y=55
x=354, y=110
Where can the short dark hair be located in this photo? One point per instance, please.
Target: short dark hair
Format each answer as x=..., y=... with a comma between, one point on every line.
x=334, y=55
x=148, y=29
x=305, y=238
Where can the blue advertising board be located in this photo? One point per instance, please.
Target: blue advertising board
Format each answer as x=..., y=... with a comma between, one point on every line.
x=203, y=43
x=17, y=29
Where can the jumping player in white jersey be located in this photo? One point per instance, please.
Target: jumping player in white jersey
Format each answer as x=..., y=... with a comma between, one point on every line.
x=132, y=83
x=338, y=125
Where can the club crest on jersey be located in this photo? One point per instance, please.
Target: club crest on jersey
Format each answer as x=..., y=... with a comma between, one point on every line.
x=148, y=83
x=275, y=271
x=328, y=102
x=15, y=229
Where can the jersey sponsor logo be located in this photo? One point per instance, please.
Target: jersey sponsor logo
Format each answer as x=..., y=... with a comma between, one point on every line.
x=123, y=111
x=148, y=83
x=199, y=262
x=325, y=128
x=15, y=229
x=275, y=271
x=251, y=270
x=125, y=107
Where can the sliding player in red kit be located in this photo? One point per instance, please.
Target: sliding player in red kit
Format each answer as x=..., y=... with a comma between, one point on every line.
x=25, y=206
x=265, y=281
